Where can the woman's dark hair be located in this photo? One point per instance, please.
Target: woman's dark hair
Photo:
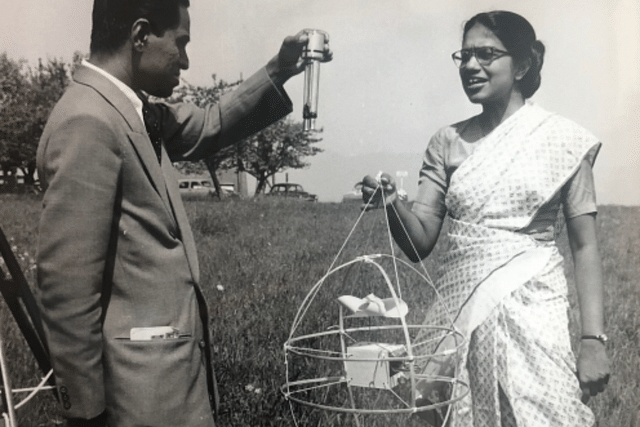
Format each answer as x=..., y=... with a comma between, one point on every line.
x=112, y=20
x=519, y=38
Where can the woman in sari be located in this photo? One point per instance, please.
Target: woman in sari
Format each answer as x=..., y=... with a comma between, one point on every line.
x=502, y=177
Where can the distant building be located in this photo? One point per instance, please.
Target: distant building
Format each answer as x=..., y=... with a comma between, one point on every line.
x=238, y=182
x=12, y=180
x=7, y=176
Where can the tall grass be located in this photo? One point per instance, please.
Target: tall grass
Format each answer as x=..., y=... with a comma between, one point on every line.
x=259, y=259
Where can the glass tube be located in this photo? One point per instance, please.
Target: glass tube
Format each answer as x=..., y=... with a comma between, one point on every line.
x=312, y=55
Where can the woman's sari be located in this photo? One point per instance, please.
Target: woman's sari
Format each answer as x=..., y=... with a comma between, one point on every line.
x=504, y=290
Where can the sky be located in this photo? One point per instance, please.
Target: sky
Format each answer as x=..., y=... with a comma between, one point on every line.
x=392, y=83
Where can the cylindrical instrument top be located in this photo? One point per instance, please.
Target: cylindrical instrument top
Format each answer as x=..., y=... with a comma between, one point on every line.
x=315, y=46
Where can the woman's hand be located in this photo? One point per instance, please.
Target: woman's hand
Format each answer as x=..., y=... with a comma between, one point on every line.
x=379, y=189
x=415, y=234
x=593, y=363
x=593, y=368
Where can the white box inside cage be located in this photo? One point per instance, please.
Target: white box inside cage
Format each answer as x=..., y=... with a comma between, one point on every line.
x=367, y=365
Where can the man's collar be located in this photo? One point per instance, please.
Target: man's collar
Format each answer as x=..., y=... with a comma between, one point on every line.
x=128, y=92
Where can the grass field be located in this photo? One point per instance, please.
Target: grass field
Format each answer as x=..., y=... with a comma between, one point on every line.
x=259, y=258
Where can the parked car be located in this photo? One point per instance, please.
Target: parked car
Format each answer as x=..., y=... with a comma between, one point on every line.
x=291, y=190
x=194, y=187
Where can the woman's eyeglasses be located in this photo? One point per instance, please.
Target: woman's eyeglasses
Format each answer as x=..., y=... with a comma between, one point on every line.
x=484, y=55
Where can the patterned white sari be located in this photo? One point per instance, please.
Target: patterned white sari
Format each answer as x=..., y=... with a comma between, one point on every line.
x=503, y=289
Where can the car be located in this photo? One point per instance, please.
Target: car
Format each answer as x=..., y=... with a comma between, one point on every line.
x=228, y=189
x=290, y=190
x=194, y=187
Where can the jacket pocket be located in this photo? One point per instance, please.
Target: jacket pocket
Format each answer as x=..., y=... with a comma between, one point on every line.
x=158, y=382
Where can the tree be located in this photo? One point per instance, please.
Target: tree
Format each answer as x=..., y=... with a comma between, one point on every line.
x=48, y=83
x=14, y=87
x=202, y=96
x=281, y=146
x=26, y=99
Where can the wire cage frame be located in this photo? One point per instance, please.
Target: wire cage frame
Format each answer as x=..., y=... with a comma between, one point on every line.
x=15, y=290
x=364, y=376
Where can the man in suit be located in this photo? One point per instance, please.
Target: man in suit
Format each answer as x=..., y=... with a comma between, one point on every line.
x=117, y=266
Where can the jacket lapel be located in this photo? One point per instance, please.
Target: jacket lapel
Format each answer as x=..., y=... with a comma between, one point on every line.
x=137, y=133
x=144, y=149
x=161, y=174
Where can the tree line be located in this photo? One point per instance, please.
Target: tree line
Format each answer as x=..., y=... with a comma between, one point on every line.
x=28, y=94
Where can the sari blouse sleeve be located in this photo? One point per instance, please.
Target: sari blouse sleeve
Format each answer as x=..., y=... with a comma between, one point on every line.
x=578, y=194
x=433, y=181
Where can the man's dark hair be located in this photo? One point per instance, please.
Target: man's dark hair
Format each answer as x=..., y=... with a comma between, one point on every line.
x=112, y=20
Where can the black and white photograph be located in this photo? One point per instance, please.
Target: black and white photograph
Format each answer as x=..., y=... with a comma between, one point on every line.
x=320, y=213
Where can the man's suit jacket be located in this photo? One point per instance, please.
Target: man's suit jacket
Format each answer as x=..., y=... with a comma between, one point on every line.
x=116, y=250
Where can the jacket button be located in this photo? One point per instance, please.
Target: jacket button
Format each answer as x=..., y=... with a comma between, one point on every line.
x=202, y=344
